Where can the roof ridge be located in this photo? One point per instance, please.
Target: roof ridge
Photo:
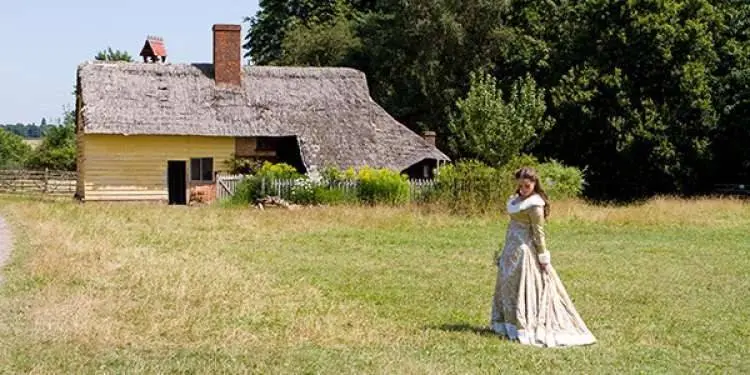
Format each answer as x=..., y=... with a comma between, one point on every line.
x=250, y=70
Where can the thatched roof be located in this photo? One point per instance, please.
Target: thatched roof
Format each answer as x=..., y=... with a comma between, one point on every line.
x=329, y=110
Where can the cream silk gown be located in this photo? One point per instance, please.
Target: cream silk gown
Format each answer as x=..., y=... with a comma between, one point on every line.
x=531, y=306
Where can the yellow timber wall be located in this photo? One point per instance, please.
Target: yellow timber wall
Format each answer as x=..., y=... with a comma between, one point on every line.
x=118, y=167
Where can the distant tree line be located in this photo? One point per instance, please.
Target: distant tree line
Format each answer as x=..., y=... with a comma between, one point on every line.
x=649, y=96
x=28, y=131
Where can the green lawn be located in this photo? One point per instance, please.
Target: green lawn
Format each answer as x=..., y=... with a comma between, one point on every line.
x=112, y=288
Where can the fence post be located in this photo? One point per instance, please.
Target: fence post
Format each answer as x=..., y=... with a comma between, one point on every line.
x=46, y=180
x=262, y=187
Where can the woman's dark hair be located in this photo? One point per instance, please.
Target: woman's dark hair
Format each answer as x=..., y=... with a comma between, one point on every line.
x=531, y=175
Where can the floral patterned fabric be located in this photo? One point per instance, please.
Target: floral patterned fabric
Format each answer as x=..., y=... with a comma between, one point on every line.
x=529, y=305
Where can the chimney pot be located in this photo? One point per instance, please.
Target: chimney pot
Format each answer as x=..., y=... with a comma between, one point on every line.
x=154, y=49
x=227, y=54
x=430, y=137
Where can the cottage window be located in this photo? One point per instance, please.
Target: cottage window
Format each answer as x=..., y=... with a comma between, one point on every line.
x=202, y=169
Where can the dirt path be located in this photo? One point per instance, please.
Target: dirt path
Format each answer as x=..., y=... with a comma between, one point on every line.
x=5, y=243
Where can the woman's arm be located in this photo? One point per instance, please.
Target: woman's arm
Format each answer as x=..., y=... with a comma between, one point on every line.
x=537, y=231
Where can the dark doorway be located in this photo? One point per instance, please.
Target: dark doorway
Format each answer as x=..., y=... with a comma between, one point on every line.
x=287, y=151
x=424, y=170
x=177, y=181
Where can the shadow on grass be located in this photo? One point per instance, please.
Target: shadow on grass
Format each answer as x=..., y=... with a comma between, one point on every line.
x=477, y=330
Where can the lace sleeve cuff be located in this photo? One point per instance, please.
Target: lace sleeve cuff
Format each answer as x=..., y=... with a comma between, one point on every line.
x=545, y=257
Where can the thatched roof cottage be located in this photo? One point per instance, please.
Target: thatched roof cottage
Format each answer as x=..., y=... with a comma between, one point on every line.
x=152, y=130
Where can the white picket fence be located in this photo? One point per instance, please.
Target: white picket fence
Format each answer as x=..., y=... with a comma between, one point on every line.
x=226, y=186
x=418, y=189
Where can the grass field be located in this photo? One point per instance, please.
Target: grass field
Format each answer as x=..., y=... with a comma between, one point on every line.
x=33, y=142
x=101, y=288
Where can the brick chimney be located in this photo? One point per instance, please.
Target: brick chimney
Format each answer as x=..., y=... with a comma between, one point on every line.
x=429, y=137
x=227, y=55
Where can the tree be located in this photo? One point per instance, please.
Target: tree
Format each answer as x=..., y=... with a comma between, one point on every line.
x=326, y=44
x=273, y=21
x=110, y=55
x=731, y=154
x=639, y=112
x=494, y=130
x=58, y=148
x=13, y=150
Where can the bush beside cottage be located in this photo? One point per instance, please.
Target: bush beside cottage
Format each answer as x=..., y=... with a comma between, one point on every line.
x=466, y=186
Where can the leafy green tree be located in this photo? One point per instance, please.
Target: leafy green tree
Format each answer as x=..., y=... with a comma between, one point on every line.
x=418, y=55
x=326, y=44
x=13, y=150
x=731, y=154
x=270, y=25
x=493, y=129
x=58, y=148
x=639, y=112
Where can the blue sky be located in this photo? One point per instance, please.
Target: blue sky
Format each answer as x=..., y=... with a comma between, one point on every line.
x=43, y=41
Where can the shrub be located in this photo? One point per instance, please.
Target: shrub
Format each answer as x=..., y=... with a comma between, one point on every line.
x=256, y=186
x=474, y=187
x=280, y=171
x=467, y=186
x=13, y=151
x=248, y=190
x=58, y=149
x=371, y=186
x=560, y=181
x=471, y=186
x=56, y=159
x=382, y=186
x=333, y=196
x=333, y=175
x=303, y=192
x=307, y=192
x=242, y=165
x=518, y=162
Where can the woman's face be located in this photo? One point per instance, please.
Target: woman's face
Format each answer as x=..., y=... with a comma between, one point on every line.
x=525, y=187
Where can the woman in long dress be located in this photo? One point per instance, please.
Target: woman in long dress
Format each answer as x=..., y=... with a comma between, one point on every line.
x=531, y=304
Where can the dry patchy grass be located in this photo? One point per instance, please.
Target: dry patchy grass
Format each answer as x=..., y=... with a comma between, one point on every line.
x=34, y=143
x=148, y=288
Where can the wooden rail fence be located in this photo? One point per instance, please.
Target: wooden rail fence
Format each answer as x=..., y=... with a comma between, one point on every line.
x=58, y=183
